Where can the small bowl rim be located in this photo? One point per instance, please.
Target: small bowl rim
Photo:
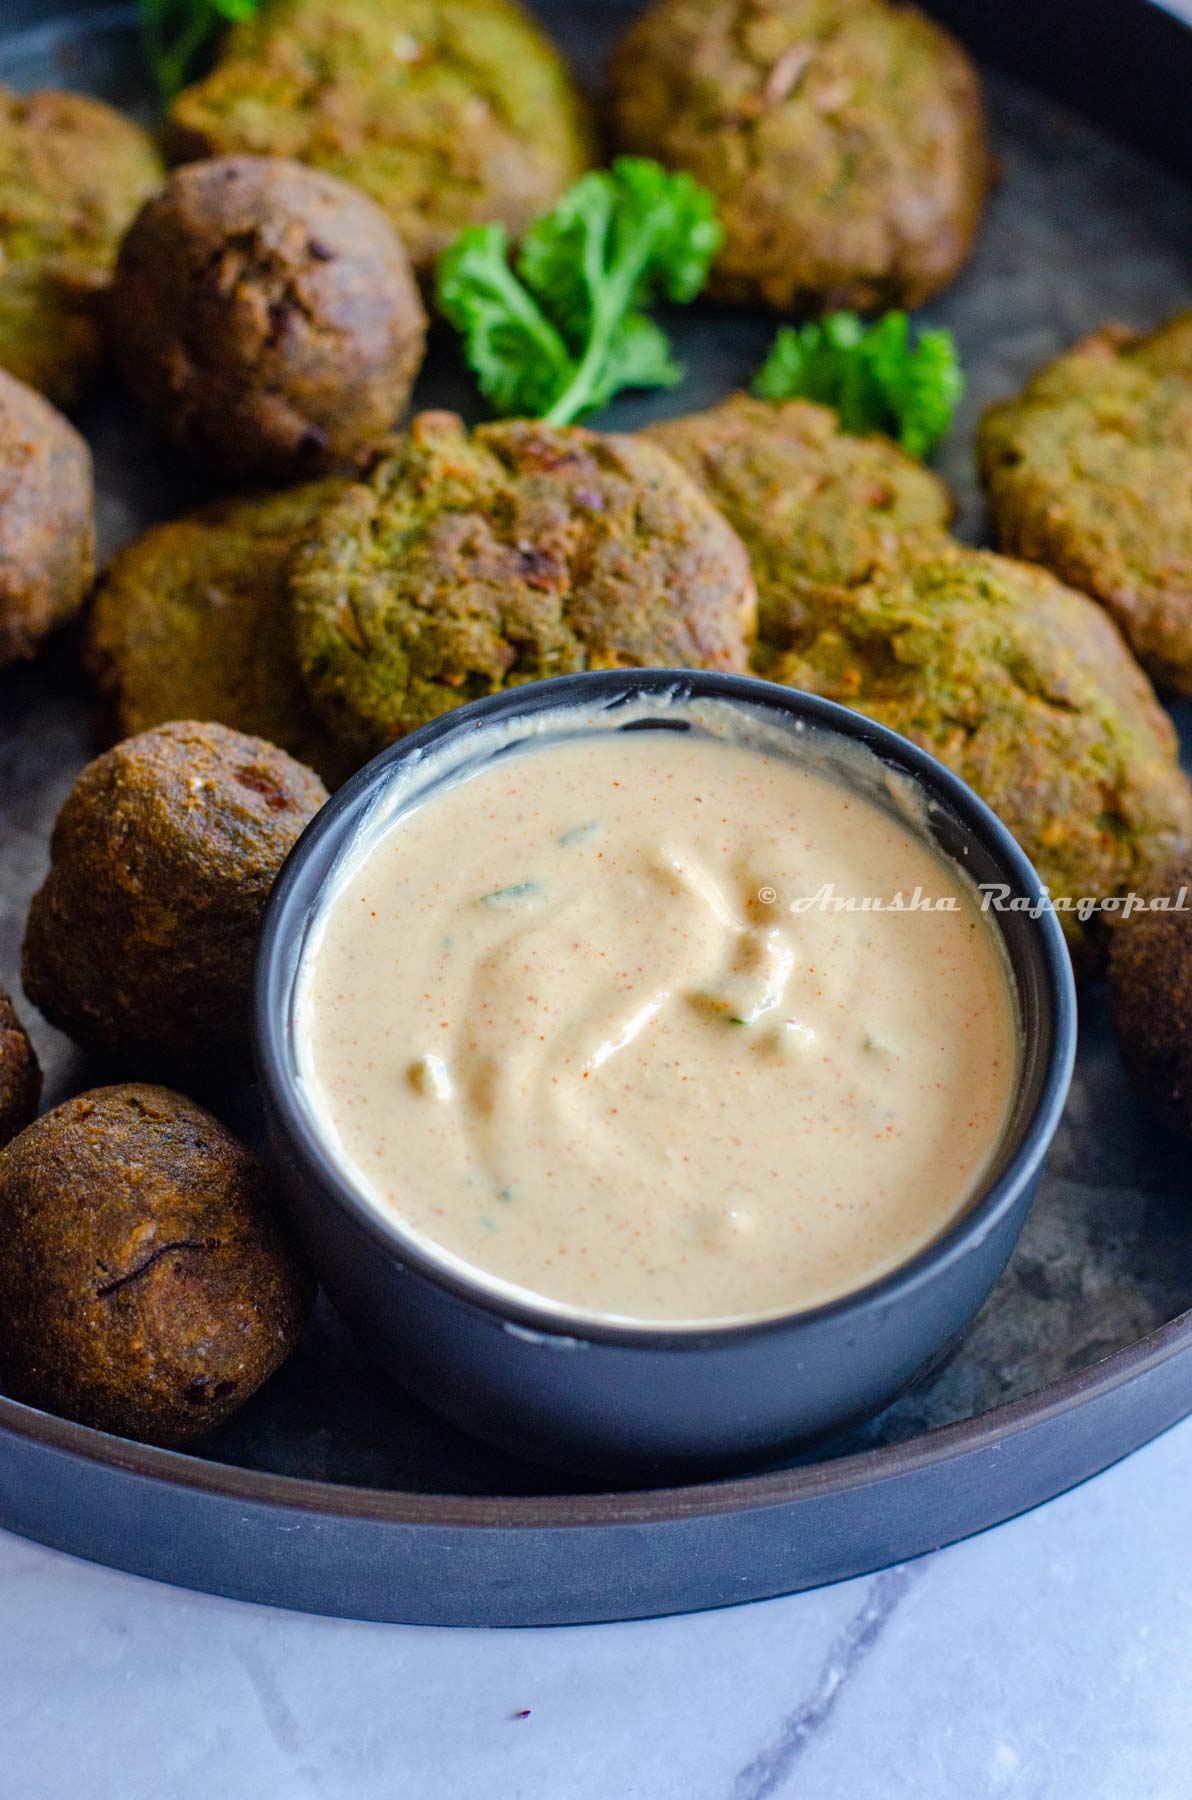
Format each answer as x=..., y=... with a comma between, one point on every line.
x=283, y=932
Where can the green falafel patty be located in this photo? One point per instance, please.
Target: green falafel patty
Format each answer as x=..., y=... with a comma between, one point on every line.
x=1089, y=472
x=448, y=113
x=191, y=621
x=466, y=564
x=815, y=507
x=73, y=173
x=1024, y=688
x=844, y=141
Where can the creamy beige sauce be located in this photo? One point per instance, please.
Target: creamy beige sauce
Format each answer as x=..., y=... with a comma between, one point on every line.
x=554, y=1023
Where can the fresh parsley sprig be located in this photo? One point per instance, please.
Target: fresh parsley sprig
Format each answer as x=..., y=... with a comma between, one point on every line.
x=563, y=327
x=877, y=377
x=176, y=32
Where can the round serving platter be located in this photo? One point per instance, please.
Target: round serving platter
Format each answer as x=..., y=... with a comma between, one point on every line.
x=332, y=1491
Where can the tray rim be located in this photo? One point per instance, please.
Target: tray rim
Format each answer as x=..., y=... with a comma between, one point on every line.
x=1056, y=53
x=631, y=1506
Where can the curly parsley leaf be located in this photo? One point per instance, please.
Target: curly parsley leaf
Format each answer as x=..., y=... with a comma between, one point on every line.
x=176, y=32
x=876, y=376
x=567, y=326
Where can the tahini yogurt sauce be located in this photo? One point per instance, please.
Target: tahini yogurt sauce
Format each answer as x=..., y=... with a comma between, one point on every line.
x=560, y=1020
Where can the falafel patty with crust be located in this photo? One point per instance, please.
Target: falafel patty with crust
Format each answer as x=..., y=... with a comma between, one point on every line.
x=470, y=563
x=47, y=519
x=191, y=621
x=140, y=941
x=814, y=507
x=73, y=173
x=1089, y=472
x=844, y=141
x=1025, y=689
x=448, y=113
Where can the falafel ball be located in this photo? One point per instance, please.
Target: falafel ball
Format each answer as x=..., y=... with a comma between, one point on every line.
x=814, y=507
x=1089, y=472
x=266, y=317
x=20, y=1073
x=1024, y=688
x=844, y=141
x=141, y=939
x=469, y=563
x=1150, y=1002
x=47, y=519
x=191, y=621
x=72, y=174
x=449, y=113
x=146, y=1287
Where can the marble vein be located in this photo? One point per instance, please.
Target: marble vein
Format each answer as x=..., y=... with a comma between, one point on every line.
x=767, y=1773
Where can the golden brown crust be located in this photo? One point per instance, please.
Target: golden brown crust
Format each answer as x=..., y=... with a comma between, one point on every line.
x=146, y=1287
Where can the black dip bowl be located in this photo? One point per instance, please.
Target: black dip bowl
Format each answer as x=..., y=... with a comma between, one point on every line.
x=632, y=1401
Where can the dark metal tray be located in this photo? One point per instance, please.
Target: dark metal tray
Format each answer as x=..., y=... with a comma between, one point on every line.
x=333, y=1492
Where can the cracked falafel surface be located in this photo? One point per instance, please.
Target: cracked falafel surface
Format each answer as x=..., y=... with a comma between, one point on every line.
x=473, y=562
x=844, y=141
x=1089, y=472
x=448, y=113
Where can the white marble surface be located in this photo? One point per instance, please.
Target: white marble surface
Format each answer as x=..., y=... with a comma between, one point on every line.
x=1047, y=1660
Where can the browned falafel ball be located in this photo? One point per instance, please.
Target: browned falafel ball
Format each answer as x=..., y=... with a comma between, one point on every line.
x=47, y=519
x=266, y=316
x=146, y=1287
x=844, y=141
x=470, y=563
x=141, y=939
x=20, y=1073
x=1150, y=1000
